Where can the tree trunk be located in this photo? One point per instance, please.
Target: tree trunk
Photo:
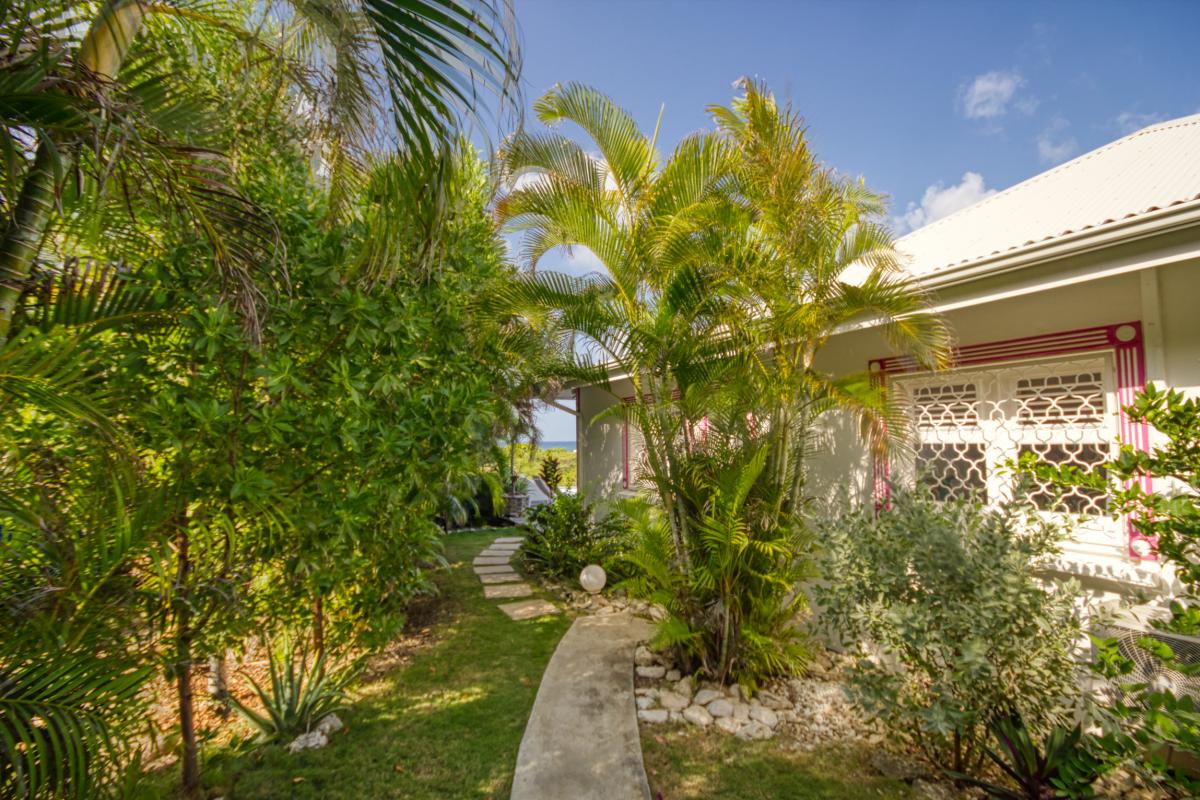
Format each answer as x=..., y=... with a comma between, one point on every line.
x=318, y=627
x=189, y=748
x=102, y=51
x=218, y=683
x=190, y=751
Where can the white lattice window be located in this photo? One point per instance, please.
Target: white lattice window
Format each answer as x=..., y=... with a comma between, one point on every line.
x=967, y=423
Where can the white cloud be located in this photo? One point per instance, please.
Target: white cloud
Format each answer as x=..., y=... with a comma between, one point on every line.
x=988, y=95
x=941, y=201
x=1054, y=144
x=1130, y=121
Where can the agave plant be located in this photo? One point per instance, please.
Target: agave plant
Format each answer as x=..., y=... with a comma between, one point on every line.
x=1060, y=766
x=300, y=693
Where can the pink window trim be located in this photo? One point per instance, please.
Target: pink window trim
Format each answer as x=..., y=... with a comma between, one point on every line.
x=1129, y=356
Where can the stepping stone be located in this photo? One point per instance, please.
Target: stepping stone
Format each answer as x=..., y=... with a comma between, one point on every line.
x=496, y=554
x=528, y=609
x=509, y=540
x=501, y=577
x=507, y=590
x=508, y=547
x=489, y=561
x=582, y=739
x=493, y=570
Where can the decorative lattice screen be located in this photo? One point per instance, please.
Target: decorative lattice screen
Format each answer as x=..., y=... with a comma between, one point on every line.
x=967, y=423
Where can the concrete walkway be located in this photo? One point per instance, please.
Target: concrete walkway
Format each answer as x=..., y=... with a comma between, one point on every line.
x=581, y=741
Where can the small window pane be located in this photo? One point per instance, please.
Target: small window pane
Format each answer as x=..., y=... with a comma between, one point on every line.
x=1076, y=398
x=953, y=471
x=1088, y=458
x=946, y=405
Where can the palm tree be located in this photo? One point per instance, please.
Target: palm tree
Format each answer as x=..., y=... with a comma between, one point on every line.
x=815, y=256
x=656, y=313
x=726, y=272
x=81, y=101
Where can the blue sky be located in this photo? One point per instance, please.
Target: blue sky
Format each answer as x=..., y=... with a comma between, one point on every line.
x=936, y=104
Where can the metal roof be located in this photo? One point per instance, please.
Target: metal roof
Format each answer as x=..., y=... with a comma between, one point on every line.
x=1153, y=169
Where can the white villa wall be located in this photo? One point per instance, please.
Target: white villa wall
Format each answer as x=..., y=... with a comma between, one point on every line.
x=1165, y=299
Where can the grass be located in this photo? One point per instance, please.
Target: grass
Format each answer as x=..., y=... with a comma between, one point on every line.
x=687, y=763
x=445, y=725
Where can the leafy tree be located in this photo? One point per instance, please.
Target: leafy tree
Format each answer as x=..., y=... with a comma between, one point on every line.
x=179, y=431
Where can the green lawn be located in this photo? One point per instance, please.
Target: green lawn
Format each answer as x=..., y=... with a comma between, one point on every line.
x=446, y=725
x=688, y=764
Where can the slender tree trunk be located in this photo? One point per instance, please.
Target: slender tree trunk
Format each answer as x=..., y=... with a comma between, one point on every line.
x=218, y=683
x=102, y=51
x=189, y=755
x=318, y=627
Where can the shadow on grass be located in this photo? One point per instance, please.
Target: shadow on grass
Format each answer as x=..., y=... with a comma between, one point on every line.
x=446, y=725
x=689, y=764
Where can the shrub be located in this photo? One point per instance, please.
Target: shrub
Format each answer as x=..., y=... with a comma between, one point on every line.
x=960, y=631
x=731, y=613
x=1059, y=766
x=551, y=472
x=567, y=534
x=301, y=692
x=1147, y=727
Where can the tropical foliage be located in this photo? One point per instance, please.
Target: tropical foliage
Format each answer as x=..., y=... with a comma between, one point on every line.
x=1059, y=766
x=568, y=533
x=237, y=315
x=726, y=268
x=956, y=628
x=1149, y=727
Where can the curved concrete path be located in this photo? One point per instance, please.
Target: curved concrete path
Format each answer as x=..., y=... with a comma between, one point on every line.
x=582, y=739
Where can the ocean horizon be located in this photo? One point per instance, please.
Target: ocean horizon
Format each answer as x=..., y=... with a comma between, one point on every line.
x=557, y=445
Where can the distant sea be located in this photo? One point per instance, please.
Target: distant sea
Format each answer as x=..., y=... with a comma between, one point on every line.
x=548, y=445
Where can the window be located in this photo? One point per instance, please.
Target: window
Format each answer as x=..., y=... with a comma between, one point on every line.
x=966, y=424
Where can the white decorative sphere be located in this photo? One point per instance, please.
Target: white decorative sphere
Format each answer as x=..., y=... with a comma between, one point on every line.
x=592, y=578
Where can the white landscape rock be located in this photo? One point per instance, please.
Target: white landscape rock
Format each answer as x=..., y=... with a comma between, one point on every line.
x=643, y=656
x=706, y=696
x=698, y=715
x=674, y=675
x=312, y=740
x=772, y=701
x=719, y=708
x=764, y=715
x=651, y=672
x=686, y=686
x=741, y=712
x=330, y=723
x=653, y=716
x=755, y=730
x=673, y=701
x=644, y=702
x=728, y=724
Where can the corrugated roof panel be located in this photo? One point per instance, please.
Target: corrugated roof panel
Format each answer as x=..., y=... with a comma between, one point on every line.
x=1154, y=168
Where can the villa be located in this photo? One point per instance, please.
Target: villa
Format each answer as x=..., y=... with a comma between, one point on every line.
x=1067, y=293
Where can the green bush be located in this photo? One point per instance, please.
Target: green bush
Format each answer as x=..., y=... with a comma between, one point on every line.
x=955, y=628
x=1147, y=727
x=732, y=613
x=567, y=534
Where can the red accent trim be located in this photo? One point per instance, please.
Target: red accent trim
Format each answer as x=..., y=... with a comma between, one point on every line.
x=1129, y=356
